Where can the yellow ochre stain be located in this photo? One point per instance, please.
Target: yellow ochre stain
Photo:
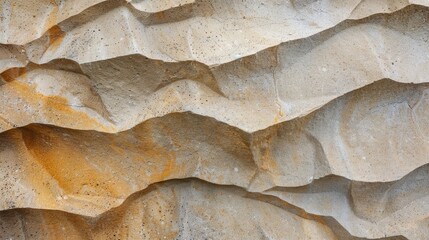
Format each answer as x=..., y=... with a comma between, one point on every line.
x=279, y=116
x=56, y=36
x=52, y=18
x=57, y=108
x=13, y=73
x=70, y=168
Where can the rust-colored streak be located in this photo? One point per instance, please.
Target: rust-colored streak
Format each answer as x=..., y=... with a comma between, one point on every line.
x=52, y=17
x=56, y=108
x=13, y=73
x=70, y=169
x=56, y=37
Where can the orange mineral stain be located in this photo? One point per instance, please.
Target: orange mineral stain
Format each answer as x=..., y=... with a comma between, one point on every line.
x=52, y=18
x=56, y=109
x=71, y=169
x=13, y=73
x=168, y=169
x=56, y=37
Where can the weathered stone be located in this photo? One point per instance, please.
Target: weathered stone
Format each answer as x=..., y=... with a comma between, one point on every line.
x=213, y=119
x=176, y=210
x=56, y=167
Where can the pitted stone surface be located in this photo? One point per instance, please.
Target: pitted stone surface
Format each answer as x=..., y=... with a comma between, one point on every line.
x=213, y=119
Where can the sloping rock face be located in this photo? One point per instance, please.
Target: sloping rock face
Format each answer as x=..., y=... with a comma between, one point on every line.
x=214, y=119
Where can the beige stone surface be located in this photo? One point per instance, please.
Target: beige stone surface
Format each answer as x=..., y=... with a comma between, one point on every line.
x=213, y=119
x=184, y=209
x=172, y=210
x=370, y=210
x=88, y=172
x=25, y=20
x=12, y=57
x=211, y=32
x=153, y=6
x=369, y=7
x=252, y=93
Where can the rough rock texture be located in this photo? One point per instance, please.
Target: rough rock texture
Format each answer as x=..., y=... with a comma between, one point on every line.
x=214, y=119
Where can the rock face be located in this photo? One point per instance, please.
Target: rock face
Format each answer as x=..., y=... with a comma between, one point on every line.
x=213, y=119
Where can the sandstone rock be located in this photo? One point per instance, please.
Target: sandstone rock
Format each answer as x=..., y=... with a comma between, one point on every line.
x=152, y=6
x=25, y=20
x=371, y=210
x=212, y=119
x=89, y=172
x=369, y=7
x=253, y=93
x=174, y=210
x=11, y=57
x=211, y=32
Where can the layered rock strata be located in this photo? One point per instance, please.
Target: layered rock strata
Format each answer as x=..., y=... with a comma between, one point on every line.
x=212, y=119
